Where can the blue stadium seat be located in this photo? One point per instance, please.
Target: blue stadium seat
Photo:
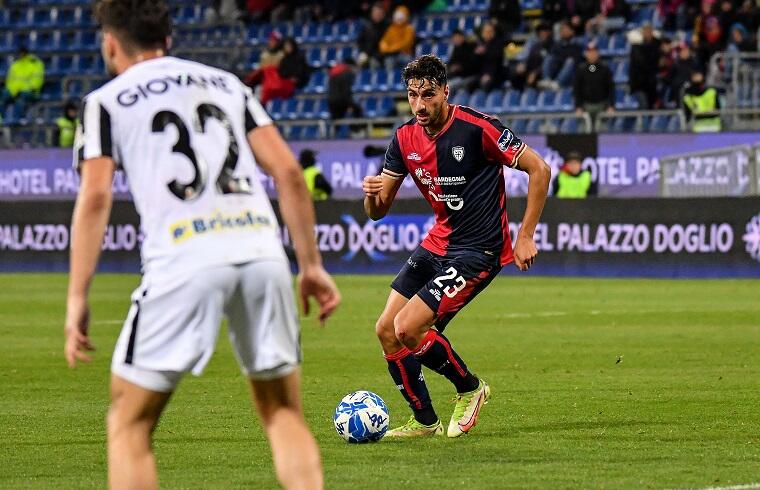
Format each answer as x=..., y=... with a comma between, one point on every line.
x=618, y=45
x=317, y=82
x=565, y=100
x=644, y=14
x=370, y=106
x=397, y=81
x=51, y=91
x=547, y=101
x=674, y=125
x=658, y=124
x=461, y=97
x=620, y=74
x=528, y=100
x=291, y=108
x=310, y=132
x=511, y=102
x=534, y=126
x=314, y=57
x=493, y=101
x=422, y=26
x=365, y=80
x=274, y=108
x=531, y=4
x=322, y=111
x=468, y=23
x=477, y=99
x=569, y=125
x=382, y=81
x=518, y=126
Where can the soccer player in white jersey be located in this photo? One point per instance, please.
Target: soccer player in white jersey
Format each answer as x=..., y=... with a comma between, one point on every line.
x=186, y=136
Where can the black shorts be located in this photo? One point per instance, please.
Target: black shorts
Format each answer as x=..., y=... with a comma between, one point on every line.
x=446, y=283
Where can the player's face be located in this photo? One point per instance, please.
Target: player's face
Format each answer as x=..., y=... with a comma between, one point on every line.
x=427, y=99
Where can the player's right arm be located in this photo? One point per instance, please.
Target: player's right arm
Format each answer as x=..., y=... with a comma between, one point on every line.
x=274, y=156
x=380, y=190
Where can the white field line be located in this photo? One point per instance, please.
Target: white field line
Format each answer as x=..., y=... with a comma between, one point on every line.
x=744, y=486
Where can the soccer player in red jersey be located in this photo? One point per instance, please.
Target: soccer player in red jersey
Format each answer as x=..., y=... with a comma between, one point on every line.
x=455, y=155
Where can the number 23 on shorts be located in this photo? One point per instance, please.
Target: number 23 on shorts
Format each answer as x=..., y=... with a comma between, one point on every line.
x=451, y=290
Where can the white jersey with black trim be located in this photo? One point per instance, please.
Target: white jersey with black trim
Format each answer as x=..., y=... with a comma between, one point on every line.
x=178, y=130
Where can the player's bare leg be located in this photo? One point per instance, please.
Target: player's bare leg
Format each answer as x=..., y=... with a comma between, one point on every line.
x=406, y=372
x=294, y=450
x=132, y=417
x=384, y=327
x=413, y=327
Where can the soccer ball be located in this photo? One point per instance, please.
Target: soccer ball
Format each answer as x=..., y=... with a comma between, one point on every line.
x=361, y=416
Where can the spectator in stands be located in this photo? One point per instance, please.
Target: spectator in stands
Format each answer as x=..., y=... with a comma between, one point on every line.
x=741, y=41
x=462, y=67
x=749, y=15
x=293, y=65
x=572, y=182
x=708, y=33
x=554, y=11
x=65, y=126
x=508, y=16
x=275, y=84
x=489, y=53
x=672, y=15
x=665, y=69
x=397, y=43
x=273, y=53
x=528, y=73
x=613, y=14
x=580, y=12
x=684, y=65
x=23, y=83
x=727, y=16
x=642, y=75
x=340, y=95
x=563, y=57
x=319, y=188
x=370, y=36
x=593, y=87
x=700, y=103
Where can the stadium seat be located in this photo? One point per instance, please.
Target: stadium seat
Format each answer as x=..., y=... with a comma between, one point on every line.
x=274, y=108
x=546, y=101
x=658, y=124
x=477, y=99
x=620, y=74
x=511, y=101
x=310, y=132
x=317, y=82
x=528, y=100
x=534, y=126
x=493, y=101
x=461, y=97
x=322, y=111
x=565, y=100
x=569, y=125
x=519, y=126
x=644, y=14
x=382, y=81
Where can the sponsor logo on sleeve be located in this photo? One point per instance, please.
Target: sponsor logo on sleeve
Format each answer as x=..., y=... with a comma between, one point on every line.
x=505, y=139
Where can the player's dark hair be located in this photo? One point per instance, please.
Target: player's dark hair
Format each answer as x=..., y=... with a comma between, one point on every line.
x=426, y=67
x=139, y=24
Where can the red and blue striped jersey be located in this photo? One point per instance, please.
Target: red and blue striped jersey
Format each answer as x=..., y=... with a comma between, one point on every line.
x=460, y=173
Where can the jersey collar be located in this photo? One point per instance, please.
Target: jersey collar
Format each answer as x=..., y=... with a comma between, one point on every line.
x=452, y=109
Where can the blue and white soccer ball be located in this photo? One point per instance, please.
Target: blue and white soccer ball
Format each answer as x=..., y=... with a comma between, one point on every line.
x=361, y=416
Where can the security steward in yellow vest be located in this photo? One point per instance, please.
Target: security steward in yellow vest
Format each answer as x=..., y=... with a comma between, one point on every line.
x=573, y=182
x=700, y=102
x=318, y=186
x=66, y=126
x=23, y=82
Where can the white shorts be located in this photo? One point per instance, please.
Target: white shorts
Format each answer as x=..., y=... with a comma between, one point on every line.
x=173, y=324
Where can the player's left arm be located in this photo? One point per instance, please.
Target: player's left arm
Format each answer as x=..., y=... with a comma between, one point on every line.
x=539, y=176
x=91, y=213
x=503, y=147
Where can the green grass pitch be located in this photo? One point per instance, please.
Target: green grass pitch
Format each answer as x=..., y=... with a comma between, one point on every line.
x=596, y=384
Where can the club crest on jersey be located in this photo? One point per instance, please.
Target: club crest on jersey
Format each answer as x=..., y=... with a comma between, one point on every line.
x=505, y=139
x=458, y=152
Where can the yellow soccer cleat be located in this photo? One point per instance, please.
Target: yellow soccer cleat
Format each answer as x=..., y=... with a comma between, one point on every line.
x=412, y=428
x=467, y=409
